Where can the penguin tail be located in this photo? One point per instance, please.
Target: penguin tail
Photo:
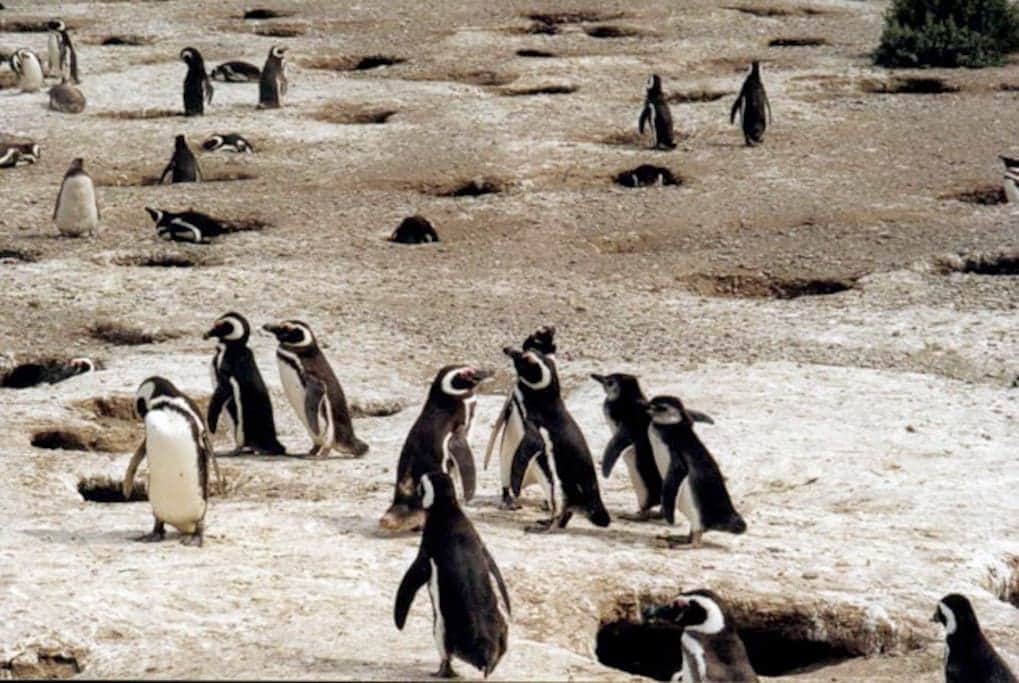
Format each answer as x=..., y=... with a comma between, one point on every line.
x=736, y=524
x=358, y=447
x=599, y=516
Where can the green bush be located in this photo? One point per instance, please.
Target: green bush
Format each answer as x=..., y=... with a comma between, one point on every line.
x=951, y=33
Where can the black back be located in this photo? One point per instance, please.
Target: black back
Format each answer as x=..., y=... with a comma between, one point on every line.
x=753, y=102
x=656, y=111
x=182, y=226
x=625, y=410
x=183, y=165
x=272, y=81
x=197, y=85
x=414, y=230
x=970, y=656
x=236, y=72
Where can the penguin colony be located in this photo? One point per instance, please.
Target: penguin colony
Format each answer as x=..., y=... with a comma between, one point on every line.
x=538, y=440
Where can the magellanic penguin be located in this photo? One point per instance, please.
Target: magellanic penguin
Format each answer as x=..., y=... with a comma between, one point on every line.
x=66, y=99
x=179, y=452
x=314, y=391
x=13, y=154
x=236, y=72
x=232, y=142
x=437, y=442
x=690, y=474
x=753, y=107
x=66, y=66
x=30, y=374
x=239, y=398
x=26, y=65
x=183, y=167
x=469, y=620
x=656, y=113
x=553, y=441
x=1011, y=179
x=968, y=654
x=712, y=649
x=510, y=423
x=414, y=230
x=186, y=226
x=77, y=211
x=272, y=85
x=197, y=86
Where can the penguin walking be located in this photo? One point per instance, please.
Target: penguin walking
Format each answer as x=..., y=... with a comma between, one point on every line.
x=65, y=67
x=656, y=113
x=239, y=395
x=690, y=474
x=313, y=390
x=968, y=654
x=186, y=226
x=13, y=154
x=236, y=72
x=753, y=107
x=179, y=452
x=198, y=89
x=272, y=84
x=77, y=211
x=232, y=142
x=183, y=166
x=1011, y=179
x=712, y=649
x=26, y=65
x=437, y=442
x=464, y=584
x=66, y=99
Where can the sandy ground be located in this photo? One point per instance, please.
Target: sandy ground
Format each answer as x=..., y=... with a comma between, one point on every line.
x=869, y=437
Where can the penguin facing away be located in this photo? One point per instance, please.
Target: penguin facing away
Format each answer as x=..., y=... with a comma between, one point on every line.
x=1011, y=179
x=77, y=212
x=272, y=85
x=656, y=113
x=183, y=166
x=232, y=142
x=968, y=654
x=753, y=107
x=186, y=226
x=470, y=603
x=198, y=88
x=53, y=48
x=236, y=72
x=26, y=65
x=67, y=56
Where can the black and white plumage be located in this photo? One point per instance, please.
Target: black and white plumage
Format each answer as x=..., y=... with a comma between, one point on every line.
x=437, y=442
x=198, y=88
x=273, y=84
x=656, y=115
x=230, y=142
x=1011, y=179
x=969, y=656
x=76, y=212
x=66, y=66
x=183, y=166
x=186, y=226
x=470, y=603
x=236, y=72
x=15, y=154
x=414, y=230
x=239, y=398
x=753, y=107
x=26, y=65
x=30, y=374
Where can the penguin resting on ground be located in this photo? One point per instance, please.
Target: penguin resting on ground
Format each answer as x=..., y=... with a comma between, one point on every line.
x=77, y=212
x=198, y=88
x=186, y=226
x=968, y=654
x=232, y=142
x=236, y=72
x=753, y=107
x=13, y=154
x=66, y=99
x=273, y=84
x=30, y=374
x=183, y=167
x=656, y=113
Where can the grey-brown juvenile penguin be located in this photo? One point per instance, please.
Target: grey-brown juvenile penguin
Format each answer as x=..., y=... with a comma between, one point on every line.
x=66, y=98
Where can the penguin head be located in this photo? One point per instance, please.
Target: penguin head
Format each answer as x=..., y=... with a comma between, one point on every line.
x=654, y=85
x=698, y=611
x=213, y=143
x=956, y=614
x=436, y=490
x=755, y=68
x=667, y=411
x=230, y=328
x=156, y=214
x=151, y=389
x=534, y=370
x=81, y=365
x=292, y=334
x=459, y=381
x=77, y=164
x=57, y=25
x=619, y=385
x=192, y=57
x=277, y=52
x=180, y=142
x=542, y=339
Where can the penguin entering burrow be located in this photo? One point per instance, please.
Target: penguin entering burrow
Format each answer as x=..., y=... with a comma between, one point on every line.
x=753, y=107
x=236, y=72
x=712, y=648
x=437, y=442
x=197, y=86
x=239, y=398
x=510, y=423
x=61, y=46
x=77, y=212
x=553, y=441
x=26, y=65
x=690, y=475
x=468, y=619
x=66, y=99
x=30, y=374
x=969, y=656
x=179, y=452
x=313, y=390
x=656, y=113
x=414, y=230
x=231, y=142
x=272, y=85
x=183, y=166
x=1011, y=179
x=14, y=154
x=186, y=226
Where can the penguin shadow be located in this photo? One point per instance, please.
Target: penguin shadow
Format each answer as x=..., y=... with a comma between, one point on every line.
x=578, y=527
x=92, y=537
x=267, y=457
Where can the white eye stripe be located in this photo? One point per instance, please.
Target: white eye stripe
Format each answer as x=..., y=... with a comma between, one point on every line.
x=714, y=622
x=447, y=383
x=546, y=374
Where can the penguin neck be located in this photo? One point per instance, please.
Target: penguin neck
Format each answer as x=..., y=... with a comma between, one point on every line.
x=438, y=517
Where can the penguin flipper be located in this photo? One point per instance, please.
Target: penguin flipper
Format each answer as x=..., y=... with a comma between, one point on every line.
x=736, y=106
x=531, y=446
x=56, y=206
x=209, y=90
x=698, y=416
x=216, y=405
x=500, y=425
x=460, y=450
x=132, y=467
x=670, y=489
x=645, y=114
x=493, y=569
x=616, y=446
x=314, y=396
x=418, y=574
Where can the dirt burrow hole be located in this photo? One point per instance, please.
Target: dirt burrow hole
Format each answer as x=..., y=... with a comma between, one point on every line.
x=260, y=13
x=554, y=89
x=985, y=195
x=988, y=263
x=353, y=62
x=613, y=32
x=537, y=54
x=123, y=334
x=165, y=260
x=107, y=490
x=122, y=40
x=797, y=42
x=694, y=96
x=11, y=256
x=83, y=439
x=132, y=180
x=909, y=86
x=647, y=175
x=42, y=663
x=767, y=286
x=777, y=10
x=475, y=187
x=353, y=114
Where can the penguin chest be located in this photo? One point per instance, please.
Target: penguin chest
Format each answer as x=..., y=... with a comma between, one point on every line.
x=53, y=52
x=293, y=385
x=77, y=206
x=688, y=505
x=31, y=74
x=1011, y=189
x=438, y=622
x=175, y=489
x=660, y=450
x=695, y=666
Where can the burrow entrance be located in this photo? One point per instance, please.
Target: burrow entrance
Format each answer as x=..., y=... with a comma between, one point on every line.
x=353, y=62
x=36, y=372
x=476, y=187
x=82, y=439
x=767, y=286
x=613, y=32
x=126, y=41
x=647, y=175
x=123, y=334
x=991, y=263
x=560, y=18
x=985, y=195
x=165, y=260
x=538, y=54
x=107, y=490
x=40, y=664
x=353, y=114
x=694, y=96
x=797, y=42
x=909, y=86
x=555, y=89
x=259, y=13
x=10, y=256
x=777, y=11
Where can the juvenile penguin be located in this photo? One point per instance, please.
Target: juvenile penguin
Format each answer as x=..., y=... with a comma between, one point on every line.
x=464, y=583
x=186, y=226
x=66, y=99
x=236, y=72
x=66, y=66
x=712, y=648
x=753, y=107
x=231, y=142
x=437, y=442
x=414, y=230
x=30, y=374
x=240, y=398
x=1011, y=179
x=689, y=473
x=26, y=65
x=968, y=654
x=197, y=85
x=13, y=154
x=272, y=85
x=313, y=390
x=656, y=113
x=177, y=446
x=183, y=167
x=77, y=211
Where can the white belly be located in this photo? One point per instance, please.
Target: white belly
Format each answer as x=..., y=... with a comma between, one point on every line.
x=687, y=506
x=438, y=624
x=31, y=75
x=630, y=458
x=1011, y=190
x=76, y=212
x=174, y=487
x=512, y=435
x=295, y=393
x=660, y=450
x=53, y=52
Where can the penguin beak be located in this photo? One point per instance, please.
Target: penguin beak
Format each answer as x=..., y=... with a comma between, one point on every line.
x=600, y=379
x=511, y=352
x=698, y=416
x=211, y=333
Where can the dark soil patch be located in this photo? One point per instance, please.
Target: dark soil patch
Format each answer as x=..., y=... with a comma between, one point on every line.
x=536, y=28
x=164, y=260
x=281, y=31
x=558, y=18
x=613, y=32
x=353, y=62
x=985, y=195
x=777, y=11
x=345, y=114
x=1005, y=263
x=797, y=42
x=81, y=439
x=126, y=40
x=539, y=54
x=909, y=86
x=647, y=175
x=9, y=256
x=540, y=90
x=121, y=334
x=106, y=490
x=469, y=188
x=261, y=13
x=693, y=96
x=762, y=286
x=140, y=114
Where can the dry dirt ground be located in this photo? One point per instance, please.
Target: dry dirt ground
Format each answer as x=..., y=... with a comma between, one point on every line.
x=869, y=436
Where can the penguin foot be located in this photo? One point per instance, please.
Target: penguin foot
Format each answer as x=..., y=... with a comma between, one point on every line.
x=193, y=540
x=509, y=502
x=154, y=537
x=676, y=539
x=541, y=526
x=445, y=670
x=317, y=453
x=639, y=516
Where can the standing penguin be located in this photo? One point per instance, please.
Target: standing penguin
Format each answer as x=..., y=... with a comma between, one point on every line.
x=239, y=395
x=656, y=113
x=272, y=85
x=968, y=654
x=463, y=580
x=60, y=46
x=437, y=443
x=689, y=473
x=183, y=165
x=77, y=211
x=26, y=65
x=753, y=106
x=177, y=445
x=313, y=390
x=197, y=84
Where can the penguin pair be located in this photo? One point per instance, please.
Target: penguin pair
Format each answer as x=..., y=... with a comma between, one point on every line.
x=969, y=656
x=236, y=72
x=753, y=107
x=77, y=212
x=14, y=154
x=273, y=84
x=1011, y=179
x=186, y=226
x=28, y=69
x=62, y=57
x=656, y=115
x=198, y=90
x=183, y=166
x=229, y=142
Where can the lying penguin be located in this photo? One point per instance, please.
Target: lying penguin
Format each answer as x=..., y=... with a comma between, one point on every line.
x=186, y=226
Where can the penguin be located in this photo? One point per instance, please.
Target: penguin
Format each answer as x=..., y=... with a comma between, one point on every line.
x=61, y=46
x=470, y=603
x=66, y=99
x=272, y=85
x=26, y=65
x=232, y=142
x=30, y=374
x=314, y=391
x=186, y=226
x=414, y=230
x=656, y=113
x=53, y=44
x=77, y=211
x=552, y=439
x=197, y=87
x=968, y=654
x=437, y=442
x=712, y=648
x=510, y=423
x=236, y=72
x=13, y=154
x=689, y=473
x=1011, y=179
x=239, y=395
x=183, y=167
x=751, y=104
x=179, y=452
